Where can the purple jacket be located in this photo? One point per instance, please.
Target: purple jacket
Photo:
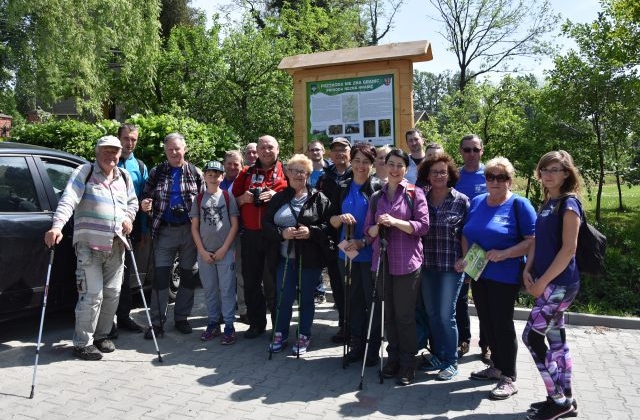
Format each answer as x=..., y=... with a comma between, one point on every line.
x=404, y=251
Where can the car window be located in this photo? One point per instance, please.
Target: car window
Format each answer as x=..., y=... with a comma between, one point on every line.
x=59, y=173
x=17, y=192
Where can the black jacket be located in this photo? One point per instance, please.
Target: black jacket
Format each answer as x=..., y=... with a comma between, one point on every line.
x=314, y=215
x=371, y=185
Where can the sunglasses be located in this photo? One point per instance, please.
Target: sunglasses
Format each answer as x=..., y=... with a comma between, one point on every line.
x=471, y=149
x=499, y=177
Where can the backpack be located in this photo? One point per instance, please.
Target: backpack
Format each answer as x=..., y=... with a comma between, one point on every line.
x=409, y=196
x=590, y=251
x=225, y=193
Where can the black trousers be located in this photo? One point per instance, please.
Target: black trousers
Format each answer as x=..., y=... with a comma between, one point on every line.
x=495, y=302
x=400, y=295
x=259, y=263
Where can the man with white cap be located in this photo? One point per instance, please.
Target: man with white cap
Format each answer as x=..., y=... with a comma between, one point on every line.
x=101, y=198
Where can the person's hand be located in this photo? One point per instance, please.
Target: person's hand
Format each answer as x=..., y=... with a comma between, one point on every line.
x=52, y=237
x=533, y=287
x=288, y=233
x=219, y=254
x=127, y=226
x=266, y=195
x=460, y=265
x=245, y=198
x=496, y=255
x=146, y=205
x=373, y=231
x=347, y=219
x=387, y=220
x=302, y=232
x=206, y=256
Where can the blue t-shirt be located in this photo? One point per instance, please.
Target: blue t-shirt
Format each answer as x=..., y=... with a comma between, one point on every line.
x=472, y=184
x=356, y=203
x=175, y=199
x=495, y=228
x=549, y=240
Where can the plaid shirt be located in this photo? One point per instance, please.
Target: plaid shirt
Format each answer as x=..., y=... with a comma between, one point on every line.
x=404, y=251
x=158, y=188
x=442, y=246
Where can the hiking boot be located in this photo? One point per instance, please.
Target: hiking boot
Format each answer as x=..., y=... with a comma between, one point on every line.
x=301, y=345
x=406, y=375
x=551, y=411
x=391, y=369
x=129, y=324
x=104, y=345
x=229, y=336
x=253, y=332
x=448, y=373
x=183, y=326
x=278, y=343
x=463, y=349
x=505, y=388
x=431, y=363
x=159, y=332
x=212, y=331
x=488, y=373
x=536, y=406
x=87, y=353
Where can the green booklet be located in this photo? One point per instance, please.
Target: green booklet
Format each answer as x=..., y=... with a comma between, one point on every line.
x=475, y=261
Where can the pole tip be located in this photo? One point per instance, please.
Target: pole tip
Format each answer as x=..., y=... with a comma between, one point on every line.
x=31, y=396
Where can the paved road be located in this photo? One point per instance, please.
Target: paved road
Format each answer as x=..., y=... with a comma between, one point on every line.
x=208, y=380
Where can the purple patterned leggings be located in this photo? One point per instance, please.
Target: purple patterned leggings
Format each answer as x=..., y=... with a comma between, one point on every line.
x=547, y=320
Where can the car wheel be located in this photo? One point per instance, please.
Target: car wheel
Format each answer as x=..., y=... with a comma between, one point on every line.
x=175, y=280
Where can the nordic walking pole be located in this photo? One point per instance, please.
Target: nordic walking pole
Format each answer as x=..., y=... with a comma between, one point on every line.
x=44, y=307
x=299, y=304
x=284, y=278
x=347, y=293
x=144, y=300
x=373, y=306
x=383, y=257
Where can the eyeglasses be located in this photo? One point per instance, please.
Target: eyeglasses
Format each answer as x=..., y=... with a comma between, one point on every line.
x=499, y=177
x=438, y=173
x=298, y=172
x=553, y=171
x=471, y=149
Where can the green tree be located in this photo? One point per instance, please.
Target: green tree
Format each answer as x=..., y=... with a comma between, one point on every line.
x=597, y=85
x=429, y=89
x=486, y=35
x=76, y=49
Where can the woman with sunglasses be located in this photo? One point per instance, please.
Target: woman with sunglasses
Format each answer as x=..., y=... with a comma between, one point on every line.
x=297, y=221
x=398, y=214
x=551, y=276
x=502, y=224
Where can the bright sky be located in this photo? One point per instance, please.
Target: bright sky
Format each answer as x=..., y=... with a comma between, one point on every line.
x=413, y=23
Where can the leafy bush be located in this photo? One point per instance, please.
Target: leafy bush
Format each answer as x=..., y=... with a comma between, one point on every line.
x=204, y=141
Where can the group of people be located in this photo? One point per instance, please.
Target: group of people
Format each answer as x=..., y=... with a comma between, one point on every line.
x=259, y=235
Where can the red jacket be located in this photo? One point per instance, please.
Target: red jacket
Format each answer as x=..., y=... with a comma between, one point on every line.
x=255, y=177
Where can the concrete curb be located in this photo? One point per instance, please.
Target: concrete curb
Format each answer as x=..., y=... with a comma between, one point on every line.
x=571, y=318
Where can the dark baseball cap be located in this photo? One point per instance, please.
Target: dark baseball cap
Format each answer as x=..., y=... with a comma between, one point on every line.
x=213, y=165
x=341, y=141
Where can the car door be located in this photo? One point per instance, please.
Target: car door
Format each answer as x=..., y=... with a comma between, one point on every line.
x=24, y=217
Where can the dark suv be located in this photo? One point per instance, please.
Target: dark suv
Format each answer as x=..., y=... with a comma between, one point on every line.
x=32, y=179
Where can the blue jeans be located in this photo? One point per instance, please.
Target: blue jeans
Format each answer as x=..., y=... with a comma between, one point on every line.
x=440, y=292
x=285, y=296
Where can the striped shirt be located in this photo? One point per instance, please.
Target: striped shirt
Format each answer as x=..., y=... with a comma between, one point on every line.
x=442, y=245
x=404, y=251
x=100, y=205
